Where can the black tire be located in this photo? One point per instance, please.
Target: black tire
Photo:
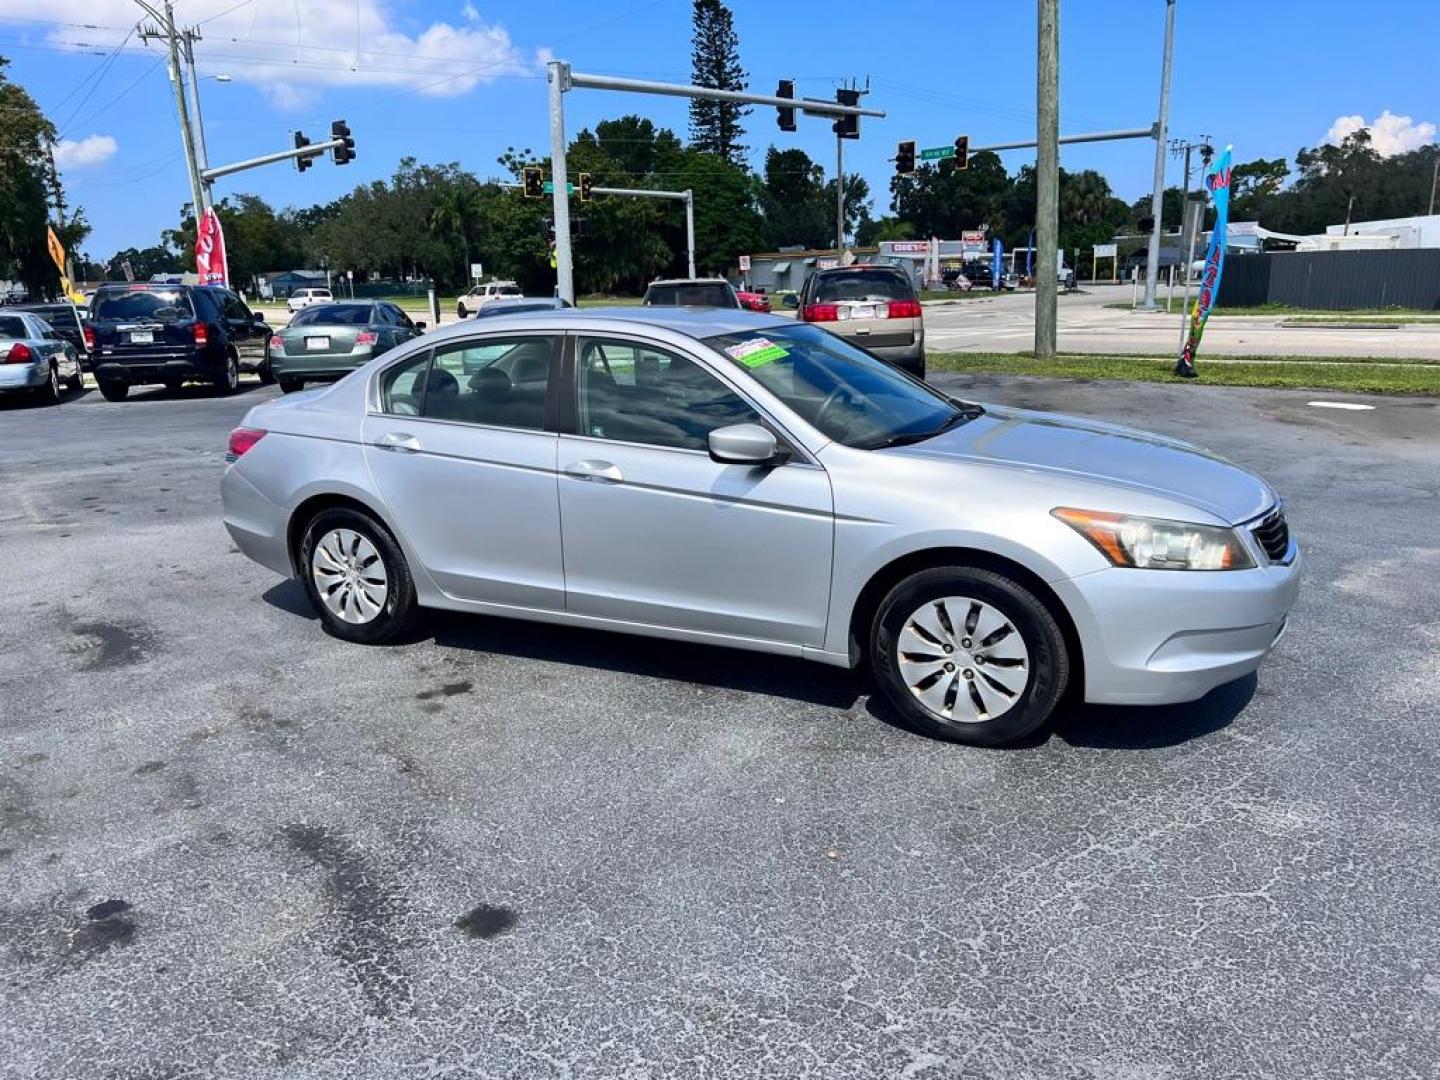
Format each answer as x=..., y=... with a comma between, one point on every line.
x=174, y=385
x=114, y=389
x=399, y=609
x=460, y=311
x=227, y=380
x=267, y=377
x=49, y=394
x=289, y=386
x=1048, y=663
x=76, y=381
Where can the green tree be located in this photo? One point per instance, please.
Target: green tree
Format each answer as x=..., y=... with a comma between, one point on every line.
x=941, y=200
x=25, y=136
x=456, y=216
x=794, y=200
x=715, y=126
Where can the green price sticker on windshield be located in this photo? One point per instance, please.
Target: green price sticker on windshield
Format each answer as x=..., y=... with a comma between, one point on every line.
x=756, y=352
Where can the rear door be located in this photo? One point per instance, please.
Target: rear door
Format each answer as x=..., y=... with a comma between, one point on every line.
x=464, y=456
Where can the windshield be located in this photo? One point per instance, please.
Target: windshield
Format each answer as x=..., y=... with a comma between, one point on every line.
x=842, y=391
x=142, y=304
x=11, y=327
x=334, y=314
x=716, y=295
x=862, y=285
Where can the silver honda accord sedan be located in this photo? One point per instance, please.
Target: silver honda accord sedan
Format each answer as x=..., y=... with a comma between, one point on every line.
x=740, y=479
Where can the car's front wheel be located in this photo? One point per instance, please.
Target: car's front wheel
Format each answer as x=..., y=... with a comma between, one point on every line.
x=357, y=577
x=969, y=655
x=289, y=386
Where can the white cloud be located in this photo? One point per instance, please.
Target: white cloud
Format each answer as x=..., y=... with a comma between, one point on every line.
x=84, y=153
x=1389, y=134
x=295, y=50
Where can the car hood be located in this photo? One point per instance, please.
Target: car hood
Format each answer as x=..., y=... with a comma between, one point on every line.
x=1107, y=453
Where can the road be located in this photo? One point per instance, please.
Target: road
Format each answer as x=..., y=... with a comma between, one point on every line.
x=234, y=847
x=1086, y=324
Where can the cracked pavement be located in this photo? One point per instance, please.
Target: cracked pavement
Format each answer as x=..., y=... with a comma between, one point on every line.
x=231, y=846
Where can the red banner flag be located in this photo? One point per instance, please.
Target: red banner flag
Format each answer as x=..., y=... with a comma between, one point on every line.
x=210, y=251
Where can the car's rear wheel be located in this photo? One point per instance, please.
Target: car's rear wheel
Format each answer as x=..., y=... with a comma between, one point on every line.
x=289, y=386
x=267, y=377
x=173, y=385
x=357, y=577
x=227, y=381
x=969, y=655
x=114, y=389
x=49, y=392
x=460, y=311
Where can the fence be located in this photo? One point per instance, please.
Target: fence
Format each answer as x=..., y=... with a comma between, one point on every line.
x=1334, y=280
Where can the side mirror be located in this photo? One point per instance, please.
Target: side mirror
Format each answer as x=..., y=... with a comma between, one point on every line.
x=258, y=317
x=744, y=444
x=790, y=300
x=420, y=324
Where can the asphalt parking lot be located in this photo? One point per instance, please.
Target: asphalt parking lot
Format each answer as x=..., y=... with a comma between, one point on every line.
x=234, y=847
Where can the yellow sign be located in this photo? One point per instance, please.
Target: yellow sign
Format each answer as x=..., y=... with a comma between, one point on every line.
x=57, y=253
x=554, y=262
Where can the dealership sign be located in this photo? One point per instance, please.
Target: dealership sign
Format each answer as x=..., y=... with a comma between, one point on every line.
x=972, y=240
x=909, y=247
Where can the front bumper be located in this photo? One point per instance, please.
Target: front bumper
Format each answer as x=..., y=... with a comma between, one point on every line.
x=1157, y=637
x=17, y=377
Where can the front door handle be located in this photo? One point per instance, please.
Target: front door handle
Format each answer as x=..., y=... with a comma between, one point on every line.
x=603, y=472
x=402, y=442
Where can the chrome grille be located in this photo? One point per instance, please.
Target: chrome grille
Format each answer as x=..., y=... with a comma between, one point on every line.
x=1273, y=535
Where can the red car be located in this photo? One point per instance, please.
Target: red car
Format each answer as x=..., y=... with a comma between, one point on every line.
x=755, y=301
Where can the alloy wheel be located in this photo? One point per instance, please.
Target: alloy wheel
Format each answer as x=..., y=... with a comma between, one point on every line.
x=963, y=659
x=350, y=576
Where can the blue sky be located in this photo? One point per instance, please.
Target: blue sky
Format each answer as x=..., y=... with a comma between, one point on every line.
x=451, y=80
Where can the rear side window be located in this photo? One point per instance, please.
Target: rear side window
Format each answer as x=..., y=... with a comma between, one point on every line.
x=11, y=327
x=142, y=304
x=333, y=315
x=716, y=295
x=402, y=390
x=862, y=285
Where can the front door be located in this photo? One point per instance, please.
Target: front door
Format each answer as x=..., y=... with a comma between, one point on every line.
x=461, y=455
x=656, y=532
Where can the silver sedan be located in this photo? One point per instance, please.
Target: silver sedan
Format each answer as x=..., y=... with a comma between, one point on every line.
x=739, y=479
x=35, y=359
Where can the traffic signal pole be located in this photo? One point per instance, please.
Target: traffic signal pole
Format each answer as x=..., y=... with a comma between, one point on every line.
x=562, y=80
x=308, y=151
x=1157, y=195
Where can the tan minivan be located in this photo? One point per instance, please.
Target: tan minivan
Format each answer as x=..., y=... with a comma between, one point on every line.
x=872, y=306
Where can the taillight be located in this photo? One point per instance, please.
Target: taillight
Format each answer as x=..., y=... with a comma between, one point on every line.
x=277, y=342
x=89, y=333
x=202, y=334
x=904, y=309
x=366, y=337
x=19, y=354
x=820, y=312
x=241, y=440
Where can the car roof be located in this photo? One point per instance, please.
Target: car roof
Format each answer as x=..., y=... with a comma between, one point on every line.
x=690, y=281
x=694, y=322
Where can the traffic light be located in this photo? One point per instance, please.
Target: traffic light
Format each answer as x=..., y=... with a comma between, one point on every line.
x=962, y=151
x=534, y=182
x=905, y=158
x=584, y=185
x=784, y=115
x=344, y=153
x=302, y=163
x=847, y=127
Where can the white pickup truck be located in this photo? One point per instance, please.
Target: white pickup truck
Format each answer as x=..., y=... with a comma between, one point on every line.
x=470, y=302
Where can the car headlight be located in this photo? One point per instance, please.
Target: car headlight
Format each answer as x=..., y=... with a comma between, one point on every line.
x=1155, y=544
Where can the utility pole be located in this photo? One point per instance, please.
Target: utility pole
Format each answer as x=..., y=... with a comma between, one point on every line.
x=558, y=73
x=189, y=37
x=177, y=84
x=1434, y=179
x=1047, y=174
x=57, y=195
x=839, y=200
x=1157, y=198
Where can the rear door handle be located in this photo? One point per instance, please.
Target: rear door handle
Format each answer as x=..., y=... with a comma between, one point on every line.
x=603, y=472
x=402, y=442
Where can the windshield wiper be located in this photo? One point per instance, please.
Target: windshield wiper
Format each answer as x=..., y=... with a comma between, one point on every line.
x=964, y=413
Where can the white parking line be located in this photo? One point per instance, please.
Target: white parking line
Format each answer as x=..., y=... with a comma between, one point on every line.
x=1353, y=406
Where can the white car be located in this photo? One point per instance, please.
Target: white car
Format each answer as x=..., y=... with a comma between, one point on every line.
x=471, y=302
x=302, y=298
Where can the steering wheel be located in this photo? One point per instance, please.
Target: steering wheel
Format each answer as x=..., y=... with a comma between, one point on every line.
x=830, y=399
